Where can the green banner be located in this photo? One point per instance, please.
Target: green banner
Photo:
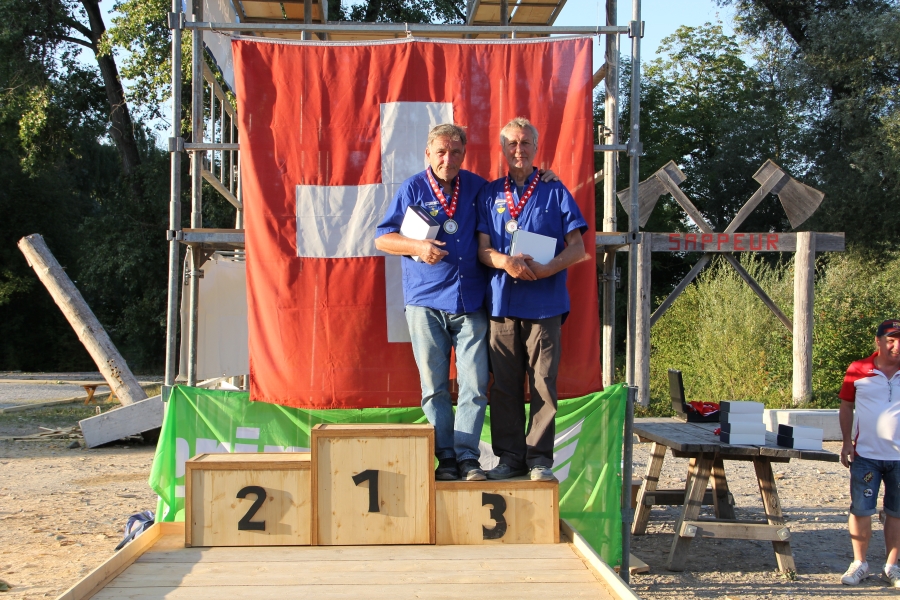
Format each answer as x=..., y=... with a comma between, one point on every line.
x=587, y=452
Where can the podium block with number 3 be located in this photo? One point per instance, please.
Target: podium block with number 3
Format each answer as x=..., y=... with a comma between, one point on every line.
x=372, y=484
x=248, y=500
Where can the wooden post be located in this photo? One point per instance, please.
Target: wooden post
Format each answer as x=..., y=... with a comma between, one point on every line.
x=642, y=330
x=804, y=280
x=89, y=330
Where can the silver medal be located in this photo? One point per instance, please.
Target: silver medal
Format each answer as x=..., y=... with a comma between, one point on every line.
x=511, y=226
x=451, y=226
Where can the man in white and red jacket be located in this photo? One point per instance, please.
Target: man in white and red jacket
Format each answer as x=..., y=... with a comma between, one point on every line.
x=872, y=449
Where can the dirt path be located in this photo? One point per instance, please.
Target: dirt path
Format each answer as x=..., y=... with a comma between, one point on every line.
x=815, y=498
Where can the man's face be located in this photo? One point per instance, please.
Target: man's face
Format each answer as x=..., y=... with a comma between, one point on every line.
x=445, y=157
x=889, y=347
x=519, y=148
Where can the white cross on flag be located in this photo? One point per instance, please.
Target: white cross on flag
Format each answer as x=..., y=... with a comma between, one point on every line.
x=329, y=131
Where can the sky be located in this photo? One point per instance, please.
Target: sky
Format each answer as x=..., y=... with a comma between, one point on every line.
x=661, y=18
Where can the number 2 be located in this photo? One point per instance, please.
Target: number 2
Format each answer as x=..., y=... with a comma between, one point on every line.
x=370, y=475
x=245, y=524
x=498, y=507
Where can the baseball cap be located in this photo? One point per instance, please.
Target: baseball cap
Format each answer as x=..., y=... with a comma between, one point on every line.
x=889, y=327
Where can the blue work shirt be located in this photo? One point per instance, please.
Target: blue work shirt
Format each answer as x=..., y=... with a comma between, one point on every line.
x=458, y=282
x=550, y=211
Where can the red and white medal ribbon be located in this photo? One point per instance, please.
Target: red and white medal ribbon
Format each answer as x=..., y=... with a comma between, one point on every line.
x=451, y=208
x=516, y=209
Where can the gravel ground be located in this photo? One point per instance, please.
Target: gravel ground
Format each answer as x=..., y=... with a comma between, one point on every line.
x=17, y=388
x=814, y=497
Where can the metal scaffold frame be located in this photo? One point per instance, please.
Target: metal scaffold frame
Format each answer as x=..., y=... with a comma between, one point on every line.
x=510, y=24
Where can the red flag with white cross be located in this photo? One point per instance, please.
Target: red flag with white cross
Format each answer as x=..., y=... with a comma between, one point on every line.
x=328, y=133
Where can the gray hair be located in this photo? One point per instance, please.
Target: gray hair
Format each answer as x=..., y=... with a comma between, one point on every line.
x=519, y=123
x=447, y=130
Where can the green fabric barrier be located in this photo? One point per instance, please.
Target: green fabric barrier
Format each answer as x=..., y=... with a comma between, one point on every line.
x=588, y=451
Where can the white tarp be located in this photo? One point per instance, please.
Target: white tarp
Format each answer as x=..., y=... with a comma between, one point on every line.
x=222, y=349
x=219, y=44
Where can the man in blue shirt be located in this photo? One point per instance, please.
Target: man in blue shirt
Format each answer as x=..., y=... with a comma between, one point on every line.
x=527, y=302
x=444, y=296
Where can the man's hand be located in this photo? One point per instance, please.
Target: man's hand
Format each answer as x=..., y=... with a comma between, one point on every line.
x=517, y=267
x=430, y=251
x=540, y=270
x=548, y=175
x=847, y=454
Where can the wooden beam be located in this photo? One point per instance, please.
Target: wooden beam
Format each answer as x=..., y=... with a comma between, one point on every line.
x=220, y=187
x=770, y=304
x=684, y=201
x=741, y=242
x=772, y=506
x=600, y=74
x=734, y=531
x=750, y=205
x=676, y=498
x=692, y=274
x=648, y=487
x=79, y=315
x=804, y=290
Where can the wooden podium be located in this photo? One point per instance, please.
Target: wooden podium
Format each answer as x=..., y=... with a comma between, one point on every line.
x=247, y=500
x=359, y=485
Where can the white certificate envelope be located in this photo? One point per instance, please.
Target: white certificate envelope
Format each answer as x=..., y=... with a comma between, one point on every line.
x=540, y=247
x=418, y=225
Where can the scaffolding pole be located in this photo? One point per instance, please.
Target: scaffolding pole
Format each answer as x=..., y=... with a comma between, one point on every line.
x=634, y=153
x=176, y=148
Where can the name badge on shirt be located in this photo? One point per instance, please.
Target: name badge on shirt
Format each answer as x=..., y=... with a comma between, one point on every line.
x=500, y=205
x=433, y=208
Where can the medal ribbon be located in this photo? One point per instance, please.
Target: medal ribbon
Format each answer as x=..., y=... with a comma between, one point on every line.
x=514, y=210
x=451, y=209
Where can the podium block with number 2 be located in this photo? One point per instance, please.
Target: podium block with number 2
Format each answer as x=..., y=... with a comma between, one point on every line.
x=372, y=484
x=248, y=500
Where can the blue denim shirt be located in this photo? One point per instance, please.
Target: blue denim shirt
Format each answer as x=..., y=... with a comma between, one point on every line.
x=550, y=211
x=458, y=282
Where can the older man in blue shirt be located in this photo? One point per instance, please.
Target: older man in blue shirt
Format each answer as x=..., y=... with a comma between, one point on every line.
x=527, y=302
x=444, y=296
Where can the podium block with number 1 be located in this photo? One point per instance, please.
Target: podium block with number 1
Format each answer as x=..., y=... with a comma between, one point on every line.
x=372, y=484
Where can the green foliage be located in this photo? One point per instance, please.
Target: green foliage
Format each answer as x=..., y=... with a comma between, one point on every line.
x=728, y=345
x=855, y=292
x=722, y=338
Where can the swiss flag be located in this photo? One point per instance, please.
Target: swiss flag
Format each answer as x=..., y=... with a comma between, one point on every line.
x=328, y=132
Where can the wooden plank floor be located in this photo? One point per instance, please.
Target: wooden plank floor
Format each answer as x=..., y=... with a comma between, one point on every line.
x=540, y=571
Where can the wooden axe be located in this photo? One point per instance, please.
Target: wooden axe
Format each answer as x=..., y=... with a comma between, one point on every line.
x=799, y=200
x=650, y=190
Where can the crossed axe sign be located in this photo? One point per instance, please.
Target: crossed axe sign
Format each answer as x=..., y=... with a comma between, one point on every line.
x=799, y=201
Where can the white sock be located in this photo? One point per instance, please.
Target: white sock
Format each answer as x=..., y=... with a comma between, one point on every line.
x=888, y=567
x=862, y=563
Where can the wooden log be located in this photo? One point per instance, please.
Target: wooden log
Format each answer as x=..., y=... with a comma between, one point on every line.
x=88, y=329
x=804, y=285
x=662, y=308
x=770, y=304
x=642, y=329
x=676, y=498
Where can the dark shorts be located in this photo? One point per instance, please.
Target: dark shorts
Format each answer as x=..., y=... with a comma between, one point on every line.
x=866, y=475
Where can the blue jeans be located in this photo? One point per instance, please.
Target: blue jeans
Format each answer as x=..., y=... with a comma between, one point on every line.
x=866, y=475
x=433, y=333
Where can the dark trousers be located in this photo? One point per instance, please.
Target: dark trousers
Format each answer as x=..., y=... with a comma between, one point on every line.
x=520, y=347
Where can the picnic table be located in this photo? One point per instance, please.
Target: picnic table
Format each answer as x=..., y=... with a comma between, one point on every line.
x=697, y=442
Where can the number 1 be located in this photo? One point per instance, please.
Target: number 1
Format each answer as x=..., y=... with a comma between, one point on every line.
x=370, y=475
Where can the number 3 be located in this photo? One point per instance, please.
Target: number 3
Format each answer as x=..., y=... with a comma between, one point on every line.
x=498, y=507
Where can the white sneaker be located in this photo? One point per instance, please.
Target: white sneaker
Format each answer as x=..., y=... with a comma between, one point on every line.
x=856, y=572
x=892, y=576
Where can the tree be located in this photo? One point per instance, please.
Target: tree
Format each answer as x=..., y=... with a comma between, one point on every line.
x=845, y=61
